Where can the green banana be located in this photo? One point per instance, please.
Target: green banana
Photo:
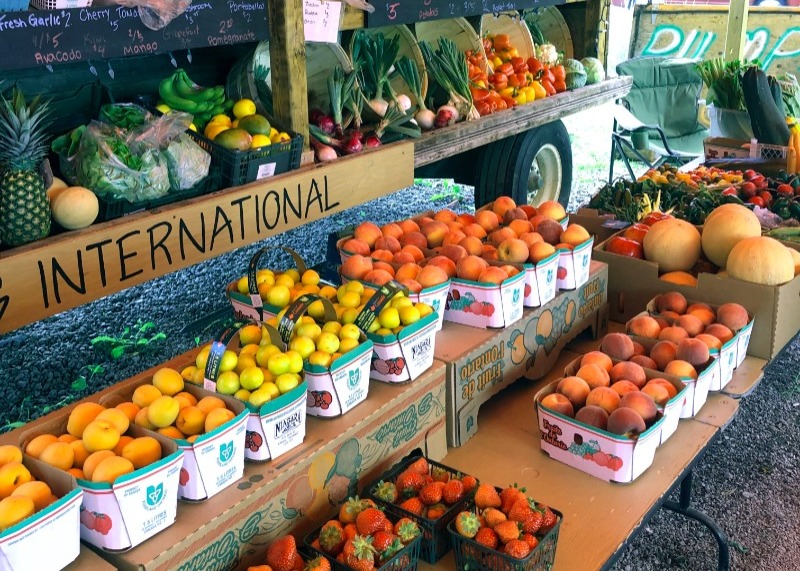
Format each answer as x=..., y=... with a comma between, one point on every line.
x=166, y=90
x=188, y=89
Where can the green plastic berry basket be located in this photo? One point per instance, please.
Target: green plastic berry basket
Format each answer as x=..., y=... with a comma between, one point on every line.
x=472, y=555
x=435, y=539
x=404, y=560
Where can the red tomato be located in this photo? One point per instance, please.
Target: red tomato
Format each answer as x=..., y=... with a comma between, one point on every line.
x=654, y=217
x=636, y=232
x=749, y=174
x=730, y=191
x=625, y=247
x=757, y=200
x=785, y=189
x=759, y=181
x=748, y=189
x=766, y=196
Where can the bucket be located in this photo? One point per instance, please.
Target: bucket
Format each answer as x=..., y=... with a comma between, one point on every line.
x=251, y=76
x=457, y=29
x=408, y=47
x=729, y=123
x=511, y=24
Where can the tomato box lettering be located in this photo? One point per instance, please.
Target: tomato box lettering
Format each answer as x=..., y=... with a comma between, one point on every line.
x=573, y=265
x=404, y=357
x=483, y=304
x=334, y=390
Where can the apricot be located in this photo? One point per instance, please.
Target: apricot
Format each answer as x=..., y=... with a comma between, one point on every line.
x=617, y=346
x=13, y=475
x=623, y=387
x=681, y=368
x=142, y=420
x=672, y=301
x=638, y=349
x=111, y=468
x=37, y=491
x=604, y=397
x=593, y=416
x=116, y=417
x=163, y=411
x=558, y=403
x=81, y=416
x=628, y=371
x=663, y=352
x=124, y=440
x=597, y=358
x=669, y=387
x=642, y=403
x=143, y=395
x=209, y=403
x=673, y=333
x=720, y=331
x=58, y=454
x=171, y=432
x=693, y=351
x=626, y=421
x=79, y=453
x=93, y=460
x=67, y=437
x=35, y=447
x=217, y=417
x=101, y=435
x=710, y=341
x=142, y=451
x=14, y=510
x=10, y=453
x=594, y=375
x=657, y=392
x=733, y=316
x=129, y=409
x=185, y=401
x=644, y=361
x=575, y=389
x=644, y=326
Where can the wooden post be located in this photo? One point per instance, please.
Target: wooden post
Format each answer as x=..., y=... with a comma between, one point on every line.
x=287, y=54
x=737, y=30
x=595, y=27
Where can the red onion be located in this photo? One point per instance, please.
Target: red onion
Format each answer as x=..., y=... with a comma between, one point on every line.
x=372, y=142
x=353, y=144
x=327, y=124
x=323, y=152
x=314, y=115
x=445, y=116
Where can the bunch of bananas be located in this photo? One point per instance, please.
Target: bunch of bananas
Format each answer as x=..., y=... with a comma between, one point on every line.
x=179, y=92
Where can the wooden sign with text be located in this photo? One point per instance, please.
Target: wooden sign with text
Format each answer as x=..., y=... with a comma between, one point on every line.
x=390, y=12
x=62, y=272
x=46, y=38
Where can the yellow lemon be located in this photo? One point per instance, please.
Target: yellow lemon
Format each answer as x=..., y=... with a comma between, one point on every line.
x=243, y=108
x=281, y=137
x=273, y=132
x=260, y=141
x=221, y=119
x=214, y=129
x=309, y=277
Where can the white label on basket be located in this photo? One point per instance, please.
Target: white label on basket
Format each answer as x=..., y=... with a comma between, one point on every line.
x=265, y=170
x=321, y=21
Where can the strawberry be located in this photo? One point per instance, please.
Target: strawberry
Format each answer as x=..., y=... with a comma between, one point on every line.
x=331, y=537
x=453, y=492
x=487, y=537
x=413, y=505
x=431, y=493
x=299, y=564
x=420, y=466
x=549, y=518
x=361, y=555
x=530, y=520
x=407, y=530
x=517, y=549
x=318, y=564
x=509, y=496
x=530, y=539
x=467, y=524
x=409, y=483
x=486, y=497
x=440, y=474
x=470, y=483
x=369, y=521
x=350, y=509
x=507, y=531
x=315, y=544
x=436, y=511
x=281, y=553
x=386, y=491
x=350, y=531
x=386, y=544
x=493, y=516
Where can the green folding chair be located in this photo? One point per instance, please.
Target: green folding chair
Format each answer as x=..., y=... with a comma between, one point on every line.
x=661, y=111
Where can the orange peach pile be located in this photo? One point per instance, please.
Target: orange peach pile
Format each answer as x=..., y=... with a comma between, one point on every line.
x=21, y=495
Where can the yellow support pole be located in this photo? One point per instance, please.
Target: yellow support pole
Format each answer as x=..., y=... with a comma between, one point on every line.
x=737, y=30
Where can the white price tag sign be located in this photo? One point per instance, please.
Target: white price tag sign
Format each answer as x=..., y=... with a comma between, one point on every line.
x=321, y=20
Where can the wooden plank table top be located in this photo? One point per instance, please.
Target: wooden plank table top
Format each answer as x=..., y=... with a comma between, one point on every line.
x=506, y=450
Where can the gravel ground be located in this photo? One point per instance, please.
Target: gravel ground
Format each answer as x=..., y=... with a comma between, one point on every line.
x=746, y=481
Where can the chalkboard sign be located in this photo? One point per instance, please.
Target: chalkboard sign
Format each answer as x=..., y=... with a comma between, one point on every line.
x=47, y=38
x=390, y=12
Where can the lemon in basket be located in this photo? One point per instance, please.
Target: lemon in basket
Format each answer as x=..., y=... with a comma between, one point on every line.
x=281, y=137
x=213, y=129
x=260, y=141
x=243, y=108
x=221, y=119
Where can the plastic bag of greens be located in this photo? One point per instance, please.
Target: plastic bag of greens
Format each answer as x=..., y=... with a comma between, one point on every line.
x=128, y=116
x=66, y=148
x=115, y=165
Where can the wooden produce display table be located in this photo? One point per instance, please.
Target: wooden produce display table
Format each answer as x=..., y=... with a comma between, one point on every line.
x=599, y=517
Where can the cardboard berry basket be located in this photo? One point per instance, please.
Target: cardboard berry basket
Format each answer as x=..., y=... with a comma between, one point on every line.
x=470, y=554
x=604, y=455
x=215, y=459
x=24, y=546
x=337, y=388
x=273, y=428
x=136, y=506
x=403, y=356
x=573, y=265
x=671, y=411
x=485, y=305
x=435, y=538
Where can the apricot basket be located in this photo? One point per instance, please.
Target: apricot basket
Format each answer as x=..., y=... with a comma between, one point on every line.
x=435, y=539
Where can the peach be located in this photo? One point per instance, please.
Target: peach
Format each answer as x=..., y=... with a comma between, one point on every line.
x=510, y=270
x=354, y=268
x=673, y=333
x=466, y=218
x=475, y=230
x=638, y=349
x=387, y=243
x=671, y=301
x=597, y=358
x=521, y=227
x=698, y=305
x=369, y=232
x=432, y=275
x=381, y=265
x=531, y=238
x=552, y=209
x=657, y=392
x=82, y=415
x=575, y=389
x=623, y=387
x=356, y=246
x=434, y=232
x=593, y=416
x=501, y=204
x=670, y=316
x=392, y=229
x=453, y=237
x=710, y=341
x=662, y=322
x=58, y=454
x=540, y=250
x=594, y=375
x=732, y=315
x=470, y=267
x=693, y=351
x=663, y=352
x=415, y=251
x=402, y=257
x=500, y=235
x=528, y=209
x=14, y=510
x=617, y=346
x=625, y=421
x=111, y=468
x=454, y=252
x=513, y=250
x=448, y=265
x=720, y=331
x=377, y=277
x=512, y=214
x=407, y=271
x=669, y=387
x=604, y=397
x=550, y=231
x=36, y=446
x=493, y=274
x=487, y=219
x=417, y=239
x=691, y=323
x=445, y=215
x=680, y=368
x=408, y=225
x=574, y=235
x=641, y=403
x=413, y=285
x=217, y=417
x=628, y=371
x=644, y=361
x=704, y=314
x=558, y=403
x=564, y=246
x=644, y=326
x=490, y=253
x=472, y=245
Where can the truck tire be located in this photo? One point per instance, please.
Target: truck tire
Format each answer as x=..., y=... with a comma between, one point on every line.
x=530, y=167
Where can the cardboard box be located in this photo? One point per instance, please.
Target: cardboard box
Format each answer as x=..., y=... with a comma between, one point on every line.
x=540, y=281
x=88, y=560
x=604, y=455
x=724, y=148
x=49, y=539
x=338, y=457
x=485, y=305
x=573, y=265
x=633, y=283
x=599, y=224
x=481, y=362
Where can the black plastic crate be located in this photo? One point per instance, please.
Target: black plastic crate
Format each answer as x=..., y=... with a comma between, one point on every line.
x=435, y=539
x=404, y=560
x=472, y=555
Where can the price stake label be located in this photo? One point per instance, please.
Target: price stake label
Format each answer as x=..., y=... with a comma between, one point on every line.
x=321, y=21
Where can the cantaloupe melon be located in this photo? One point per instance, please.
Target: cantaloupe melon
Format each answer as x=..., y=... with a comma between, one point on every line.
x=673, y=244
x=75, y=207
x=55, y=187
x=761, y=260
x=724, y=227
x=796, y=258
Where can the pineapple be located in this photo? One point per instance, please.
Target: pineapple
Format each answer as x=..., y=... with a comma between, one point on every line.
x=24, y=206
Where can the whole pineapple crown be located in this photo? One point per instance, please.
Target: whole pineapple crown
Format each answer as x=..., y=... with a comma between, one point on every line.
x=23, y=135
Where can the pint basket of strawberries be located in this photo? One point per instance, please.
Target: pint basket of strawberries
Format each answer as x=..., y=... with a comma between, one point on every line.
x=502, y=529
x=428, y=493
x=364, y=538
